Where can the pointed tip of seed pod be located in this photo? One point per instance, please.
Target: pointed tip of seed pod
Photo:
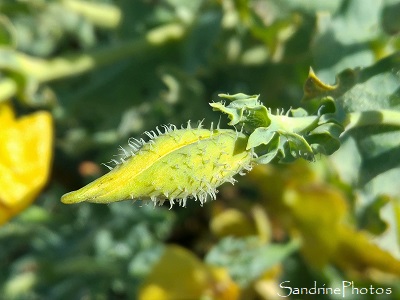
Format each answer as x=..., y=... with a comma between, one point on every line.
x=71, y=198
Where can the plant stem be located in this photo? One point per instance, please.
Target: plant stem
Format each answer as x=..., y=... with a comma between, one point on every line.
x=8, y=88
x=372, y=117
x=102, y=15
x=44, y=70
x=71, y=65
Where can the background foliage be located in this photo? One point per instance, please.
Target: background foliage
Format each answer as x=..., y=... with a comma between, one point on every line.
x=107, y=70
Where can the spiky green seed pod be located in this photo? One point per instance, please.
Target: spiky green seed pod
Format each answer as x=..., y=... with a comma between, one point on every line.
x=174, y=165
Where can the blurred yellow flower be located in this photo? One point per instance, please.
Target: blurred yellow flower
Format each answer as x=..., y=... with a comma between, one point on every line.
x=181, y=275
x=246, y=221
x=306, y=206
x=25, y=157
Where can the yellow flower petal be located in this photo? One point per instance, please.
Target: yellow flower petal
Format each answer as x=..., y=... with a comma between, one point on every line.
x=224, y=288
x=232, y=222
x=181, y=275
x=25, y=156
x=178, y=275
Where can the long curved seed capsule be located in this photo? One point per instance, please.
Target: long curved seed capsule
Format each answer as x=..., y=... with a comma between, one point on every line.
x=179, y=164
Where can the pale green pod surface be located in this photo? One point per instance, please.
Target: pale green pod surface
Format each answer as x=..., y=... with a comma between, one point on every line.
x=176, y=165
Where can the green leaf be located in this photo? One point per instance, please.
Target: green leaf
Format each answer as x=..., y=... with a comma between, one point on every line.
x=370, y=218
x=390, y=17
x=312, y=7
x=280, y=137
x=246, y=259
x=325, y=138
x=244, y=109
x=7, y=33
x=344, y=40
x=370, y=97
x=368, y=101
x=260, y=136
